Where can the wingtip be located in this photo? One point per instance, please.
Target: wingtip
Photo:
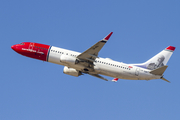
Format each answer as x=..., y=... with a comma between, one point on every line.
x=115, y=80
x=108, y=36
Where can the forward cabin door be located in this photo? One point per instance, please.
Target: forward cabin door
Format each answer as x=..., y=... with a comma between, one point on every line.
x=137, y=72
x=31, y=45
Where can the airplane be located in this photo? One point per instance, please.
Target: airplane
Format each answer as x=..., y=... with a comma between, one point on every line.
x=88, y=62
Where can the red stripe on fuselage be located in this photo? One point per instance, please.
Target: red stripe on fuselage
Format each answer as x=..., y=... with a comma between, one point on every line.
x=33, y=50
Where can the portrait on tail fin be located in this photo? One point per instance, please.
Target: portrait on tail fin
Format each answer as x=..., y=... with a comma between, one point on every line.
x=159, y=63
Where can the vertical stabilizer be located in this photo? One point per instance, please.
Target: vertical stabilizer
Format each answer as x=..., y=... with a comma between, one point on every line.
x=158, y=60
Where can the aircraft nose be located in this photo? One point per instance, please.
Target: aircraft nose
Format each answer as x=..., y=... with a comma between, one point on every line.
x=13, y=47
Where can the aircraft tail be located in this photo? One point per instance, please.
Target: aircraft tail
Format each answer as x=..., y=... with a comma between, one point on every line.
x=160, y=71
x=158, y=60
x=165, y=79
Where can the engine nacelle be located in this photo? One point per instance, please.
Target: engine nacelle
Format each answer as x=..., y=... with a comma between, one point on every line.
x=71, y=71
x=68, y=59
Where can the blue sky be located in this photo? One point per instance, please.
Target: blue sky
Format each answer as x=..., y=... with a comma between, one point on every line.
x=32, y=89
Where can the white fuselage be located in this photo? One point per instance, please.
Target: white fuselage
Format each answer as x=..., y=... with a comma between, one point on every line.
x=104, y=66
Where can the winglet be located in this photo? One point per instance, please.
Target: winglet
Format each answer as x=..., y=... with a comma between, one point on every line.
x=108, y=36
x=115, y=80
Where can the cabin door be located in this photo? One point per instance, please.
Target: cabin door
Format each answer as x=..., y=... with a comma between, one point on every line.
x=137, y=72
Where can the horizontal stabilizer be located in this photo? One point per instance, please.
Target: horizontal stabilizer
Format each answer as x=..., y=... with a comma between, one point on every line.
x=159, y=71
x=165, y=80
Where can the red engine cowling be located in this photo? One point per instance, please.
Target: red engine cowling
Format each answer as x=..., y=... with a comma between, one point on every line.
x=71, y=71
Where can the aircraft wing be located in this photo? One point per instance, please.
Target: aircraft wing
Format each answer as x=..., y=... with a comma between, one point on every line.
x=92, y=53
x=98, y=76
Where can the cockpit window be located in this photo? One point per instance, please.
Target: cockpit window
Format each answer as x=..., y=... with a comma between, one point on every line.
x=21, y=43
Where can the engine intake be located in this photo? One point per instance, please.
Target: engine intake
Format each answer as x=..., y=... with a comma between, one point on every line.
x=71, y=71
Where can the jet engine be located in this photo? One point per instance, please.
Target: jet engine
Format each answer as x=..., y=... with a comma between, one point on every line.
x=71, y=71
x=68, y=59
